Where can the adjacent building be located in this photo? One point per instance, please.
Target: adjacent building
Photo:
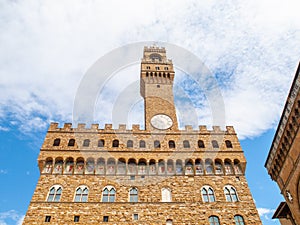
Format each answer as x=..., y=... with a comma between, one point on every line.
x=283, y=162
x=157, y=175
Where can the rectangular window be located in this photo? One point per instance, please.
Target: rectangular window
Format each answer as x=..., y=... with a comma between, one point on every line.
x=105, y=218
x=132, y=177
x=47, y=218
x=135, y=216
x=76, y=218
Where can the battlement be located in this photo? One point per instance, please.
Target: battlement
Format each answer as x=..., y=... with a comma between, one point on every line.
x=81, y=127
x=155, y=49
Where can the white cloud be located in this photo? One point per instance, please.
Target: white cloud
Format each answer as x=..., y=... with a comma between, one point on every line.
x=46, y=47
x=11, y=215
x=20, y=221
x=265, y=213
x=3, y=171
x=4, y=128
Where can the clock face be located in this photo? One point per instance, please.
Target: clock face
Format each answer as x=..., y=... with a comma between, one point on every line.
x=161, y=121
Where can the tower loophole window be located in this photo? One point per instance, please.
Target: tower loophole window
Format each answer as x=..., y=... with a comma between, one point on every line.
x=156, y=144
x=71, y=142
x=215, y=144
x=228, y=144
x=129, y=144
x=47, y=218
x=86, y=143
x=56, y=142
x=101, y=143
x=142, y=144
x=171, y=144
x=201, y=144
x=115, y=143
x=186, y=144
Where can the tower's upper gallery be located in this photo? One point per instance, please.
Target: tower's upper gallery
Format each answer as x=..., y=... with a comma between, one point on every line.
x=156, y=55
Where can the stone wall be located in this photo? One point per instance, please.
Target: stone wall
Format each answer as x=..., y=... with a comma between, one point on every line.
x=187, y=206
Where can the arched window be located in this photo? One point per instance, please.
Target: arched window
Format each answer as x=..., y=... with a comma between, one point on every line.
x=199, y=167
x=81, y=194
x=230, y=194
x=189, y=167
x=71, y=142
x=101, y=143
x=179, y=168
x=208, y=194
x=69, y=166
x=86, y=143
x=132, y=164
x=115, y=143
x=111, y=166
x=129, y=144
x=156, y=144
x=108, y=194
x=56, y=142
x=209, y=166
x=215, y=144
x=161, y=167
x=90, y=166
x=121, y=167
x=239, y=220
x=228, y=167
x=58, y=165
x=142, y=167
x=54, y=193
x=100, y=167
x=201, y=144
x=186, y=144
x=171, y=144
x=237, y=167
x=142, y=144
x=166, y=195
x=133, y=195
x=170, y=166
x=214, y=220
x=152, y=167
x=169, y=222
x=48, y=165
x=218, y=166
x=228, y=144
x=79, y=168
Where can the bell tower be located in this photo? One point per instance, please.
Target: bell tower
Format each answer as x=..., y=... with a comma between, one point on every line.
x=157, y=76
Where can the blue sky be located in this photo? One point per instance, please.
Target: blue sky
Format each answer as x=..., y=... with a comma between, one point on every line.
x=46, y=47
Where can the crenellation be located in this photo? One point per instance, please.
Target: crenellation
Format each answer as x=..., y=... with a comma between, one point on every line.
x=203, y=129
x=216, y=129
x=67, y=127
x=122, y=128
x=53, y=126
x=81, y=126
x=136, y=128
x=95, y=127
x=230, y=130
x=188, y=128
x=108, y=127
